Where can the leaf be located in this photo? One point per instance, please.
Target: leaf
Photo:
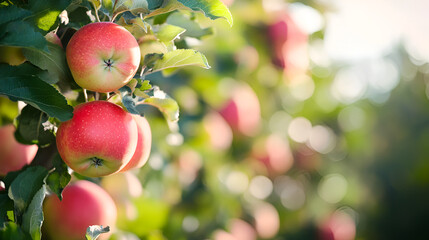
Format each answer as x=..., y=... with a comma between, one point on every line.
x=12, y=13
x=129, y=100
x=94, y=231
x=6, y=205
x=34, y=91
x=168, y=106
x=30, y=128
x=59, y=178
x=181, y=58
x=25, y=186
x=53, y=61
x=151, y=58
x=166, y=7
x=154, y=4
x=143, y=86
x=192, y=28
x=32, y=219
x=168, y=33
x=211, y=8
x=134, y=6
x=13, y=232
x=22, y=34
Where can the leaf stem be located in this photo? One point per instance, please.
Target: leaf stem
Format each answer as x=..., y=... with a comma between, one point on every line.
x=85, y=94
x=96, y=13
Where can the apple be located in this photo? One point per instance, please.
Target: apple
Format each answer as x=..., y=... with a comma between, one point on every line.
x=289, y=45
x=274, y=152
x=99, y=140
x=52, y=37
x=11, y=55
x=219, y=131
x=122, y=186
x=84, y=204
x=13, y=155
x=338, y=226
x=267, y=220
x=242, y=111
x=242, y=230
x=144, y=143
x=103, y=56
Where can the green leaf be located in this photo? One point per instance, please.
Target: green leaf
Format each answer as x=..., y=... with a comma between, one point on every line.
x=30, y=128
x=136, y=26
x=25, y=186
x=53, y=61
x=94, y=231
x=59, y=178
x=166, y=7
x=134, y=6
x=144, y=85
x=34, y=91
x=181, y=58
x=12, y=13
x=6, y=205
x=129, y=100
x=168, y=33
x=192, y=28
x=13, y=232
x=151, y=58
x=211, y=8
x=154, y=4
x=168, y=106
x=32, y=219
x=22, y=34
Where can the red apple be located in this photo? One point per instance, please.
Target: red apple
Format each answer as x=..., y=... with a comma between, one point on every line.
x=219, y=131
x=338, y=226
x=13, y=155
x=99, y=140
x=289, y=44
x=11, y=55
x=103, y=56
x=274, y=152
x=52, y=37
x=84, y=204
x=144, y=144
x=242, y=111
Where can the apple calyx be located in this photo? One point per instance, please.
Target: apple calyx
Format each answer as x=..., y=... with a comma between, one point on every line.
x=108, y=63
x=97, y=162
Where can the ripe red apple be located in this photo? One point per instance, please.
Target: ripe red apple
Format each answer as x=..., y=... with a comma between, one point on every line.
x=84, y=204
x=103, y=56
x=99, y=140
x=289, y=44
x=144, y=143
x=13, y=155
x=11, y=55
x=242, y=111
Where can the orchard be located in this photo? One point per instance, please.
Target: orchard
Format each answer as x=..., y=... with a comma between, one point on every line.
x=213, y=119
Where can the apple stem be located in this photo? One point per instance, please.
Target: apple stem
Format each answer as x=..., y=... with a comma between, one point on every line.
x=85, y=94
x=107, y=96
x=97, y=96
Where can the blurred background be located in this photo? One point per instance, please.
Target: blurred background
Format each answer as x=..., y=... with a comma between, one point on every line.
x=312, y=123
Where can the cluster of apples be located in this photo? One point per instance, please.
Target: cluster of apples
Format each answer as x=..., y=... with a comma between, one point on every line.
x=101, y=138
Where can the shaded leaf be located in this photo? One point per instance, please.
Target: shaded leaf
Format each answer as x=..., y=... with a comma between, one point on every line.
x=12, y=13
x=59, y=178
x=30, y=128
x=34, y=91
x=13, y=232
x=211, y=8
x=6, y=205
x=129, y=100
x=32, y=219
x=94, y=231
x=22, y=34
x=25, y=186
x=53, y=61
x=192, y=28
x=166, y=7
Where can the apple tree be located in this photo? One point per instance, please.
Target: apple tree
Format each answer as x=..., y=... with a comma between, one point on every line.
x=40, y=88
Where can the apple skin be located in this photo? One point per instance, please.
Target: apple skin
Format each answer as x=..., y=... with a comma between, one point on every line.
x=242, y=111
x=99, y=140
x=11, y=55
x=103, y=56
x=14, y=155
x=144, y=144
x=84, y=204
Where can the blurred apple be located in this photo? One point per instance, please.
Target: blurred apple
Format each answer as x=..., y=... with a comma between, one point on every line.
x=13, y=155
x=242, y=110
x=274, y=152
x=338, y=226
x=189, y=164
x=267, y=221
x=223, y=235
x=242, y=230
x=122, y=186
x=289, y=44
x=11, y=55
x=84, y=204
x=219, y=131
